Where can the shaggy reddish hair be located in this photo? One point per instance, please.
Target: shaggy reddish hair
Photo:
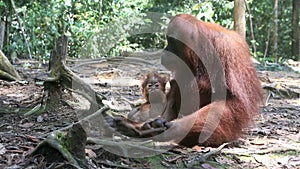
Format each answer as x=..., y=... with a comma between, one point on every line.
x=229, y=89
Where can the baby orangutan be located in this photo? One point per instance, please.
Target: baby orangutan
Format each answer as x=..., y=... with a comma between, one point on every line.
x=154, y=91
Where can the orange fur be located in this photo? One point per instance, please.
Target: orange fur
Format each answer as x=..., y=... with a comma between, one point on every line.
x=186, y=37
x=153, y=87
x=221, y=98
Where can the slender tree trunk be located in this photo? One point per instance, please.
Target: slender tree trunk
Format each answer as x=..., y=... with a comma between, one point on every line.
x=275, y=40
x=100, y=8
x=22, y=29
x=2, y=30
x=251, y=27
x=239, y=17
x=267, y=46
x=295, y=30
x=5, y=26
x=7, y=29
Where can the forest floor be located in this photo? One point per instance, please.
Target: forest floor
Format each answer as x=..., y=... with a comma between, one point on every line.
x=274, y=141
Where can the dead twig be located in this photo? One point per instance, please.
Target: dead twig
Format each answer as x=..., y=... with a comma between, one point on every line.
x=190, y=162
x=210, y=153
x=113, y=165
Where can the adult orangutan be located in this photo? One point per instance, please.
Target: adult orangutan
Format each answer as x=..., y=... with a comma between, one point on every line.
x=220, y=91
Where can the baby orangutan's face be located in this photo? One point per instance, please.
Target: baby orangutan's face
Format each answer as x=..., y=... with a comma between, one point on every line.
x=154, y=88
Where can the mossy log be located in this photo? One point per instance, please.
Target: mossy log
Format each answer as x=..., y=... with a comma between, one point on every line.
x=62, y=146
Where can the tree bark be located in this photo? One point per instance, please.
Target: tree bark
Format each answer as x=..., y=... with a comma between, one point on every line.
x=295, y=30
x=7, y=28
x=239, y=17
x=7, y=71
x=61, y=77
x=251, y=28
x=2, y=30
x=275, y=40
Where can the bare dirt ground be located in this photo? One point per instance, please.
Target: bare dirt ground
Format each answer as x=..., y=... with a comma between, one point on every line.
x=274, y=141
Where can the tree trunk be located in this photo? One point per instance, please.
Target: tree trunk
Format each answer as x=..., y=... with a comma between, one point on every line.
x=2, y=30
x=295, y=30
x=275, y=40
x=251, y=29
x=7, y=71
x=7, y=28
x=22, y=29
x=239, y=17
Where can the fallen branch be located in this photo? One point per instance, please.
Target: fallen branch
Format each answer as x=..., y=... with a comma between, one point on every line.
x=126, y=149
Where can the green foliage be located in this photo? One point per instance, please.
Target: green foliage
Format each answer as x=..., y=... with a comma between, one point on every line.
x=98, y=28
x=263, y=24
x=215, y=11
